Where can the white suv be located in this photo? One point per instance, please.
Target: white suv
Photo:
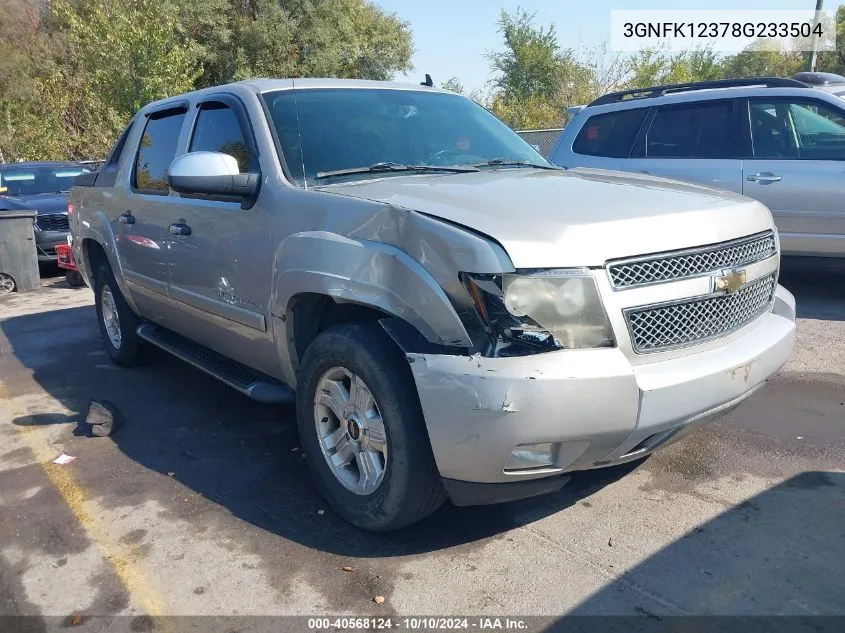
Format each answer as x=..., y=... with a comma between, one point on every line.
x=776, y=140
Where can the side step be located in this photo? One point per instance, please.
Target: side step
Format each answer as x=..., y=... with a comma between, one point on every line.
x=254, y=384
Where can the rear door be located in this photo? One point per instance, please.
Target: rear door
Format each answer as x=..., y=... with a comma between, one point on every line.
x=701, y=142
x=143, y=212
x=798, y=171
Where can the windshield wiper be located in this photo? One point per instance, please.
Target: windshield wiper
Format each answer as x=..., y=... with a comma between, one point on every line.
x=506, y=162
x=379, y=168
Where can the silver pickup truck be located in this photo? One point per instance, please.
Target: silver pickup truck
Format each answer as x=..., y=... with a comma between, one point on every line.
x=453, y=315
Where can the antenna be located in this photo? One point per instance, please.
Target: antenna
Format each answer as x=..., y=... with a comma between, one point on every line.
x=428, y=82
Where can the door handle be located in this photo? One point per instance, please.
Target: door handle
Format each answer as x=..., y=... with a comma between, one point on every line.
x=127, y=218
x=763, y=178
x=180, y=228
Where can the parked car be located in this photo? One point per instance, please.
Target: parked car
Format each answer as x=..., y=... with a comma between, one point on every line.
x=829, y=82
x=43, y=187
x=776, y=140
x=453, y=315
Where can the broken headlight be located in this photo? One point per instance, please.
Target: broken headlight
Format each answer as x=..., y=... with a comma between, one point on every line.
x=540, y=311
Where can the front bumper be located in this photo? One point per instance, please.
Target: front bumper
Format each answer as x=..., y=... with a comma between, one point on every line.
x=594, y=404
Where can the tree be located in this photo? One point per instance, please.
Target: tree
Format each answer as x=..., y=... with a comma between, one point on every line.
x=350, y=39
x=657, y=66
x=763, y=60
x=534, y=79
x=129, y=52
x=72, y=72
x=236, y=40
x=607, y=72
x=531, y=62
x=454, y=84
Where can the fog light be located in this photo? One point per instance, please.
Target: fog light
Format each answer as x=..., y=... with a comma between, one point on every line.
x=531, y=456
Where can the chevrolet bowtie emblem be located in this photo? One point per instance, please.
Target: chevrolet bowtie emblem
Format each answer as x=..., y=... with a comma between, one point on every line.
x=729, y=280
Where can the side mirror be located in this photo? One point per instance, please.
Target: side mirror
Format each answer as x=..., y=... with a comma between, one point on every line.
x=211, y=174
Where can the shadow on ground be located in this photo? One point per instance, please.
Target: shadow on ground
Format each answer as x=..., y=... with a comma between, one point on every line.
x=779, y=553
x=237, y=453
x=818, y=285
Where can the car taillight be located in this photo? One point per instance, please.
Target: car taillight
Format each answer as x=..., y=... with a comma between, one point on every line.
x=71, y=210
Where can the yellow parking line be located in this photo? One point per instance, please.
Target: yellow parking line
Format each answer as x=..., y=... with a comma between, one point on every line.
x=119, y=556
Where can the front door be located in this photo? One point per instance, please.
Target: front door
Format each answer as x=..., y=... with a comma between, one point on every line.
x=144, y=214
x=798, y=171
x=221, y=271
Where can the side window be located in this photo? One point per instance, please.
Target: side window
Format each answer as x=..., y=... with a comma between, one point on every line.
x=156, y=151
x=706, y=129
x=218, y=130
x=797, y=129
x=107, y=175
x=610, y=134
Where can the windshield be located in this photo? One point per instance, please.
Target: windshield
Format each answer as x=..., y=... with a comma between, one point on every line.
x=18, y=181
x=330, y=129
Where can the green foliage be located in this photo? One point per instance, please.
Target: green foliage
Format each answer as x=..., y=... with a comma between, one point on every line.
x=528, y=113
x=653, y=67
x=534, y=79
x=763, y=61
x=142, y=43
x=71, y=77
x=530, y=65
x=454, y=84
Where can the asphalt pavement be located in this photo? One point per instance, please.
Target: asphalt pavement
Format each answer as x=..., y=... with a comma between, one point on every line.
x=201, y=503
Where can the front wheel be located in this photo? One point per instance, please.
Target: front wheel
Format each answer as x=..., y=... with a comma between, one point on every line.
x=363, y=432
x=116, y=320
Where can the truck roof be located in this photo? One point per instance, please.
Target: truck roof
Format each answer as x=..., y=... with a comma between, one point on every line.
x=262, y=85
x=266, y=85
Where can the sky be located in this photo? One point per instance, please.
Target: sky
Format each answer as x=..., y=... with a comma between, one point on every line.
x=451, y=37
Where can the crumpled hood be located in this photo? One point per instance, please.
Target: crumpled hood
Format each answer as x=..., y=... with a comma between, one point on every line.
x=44, y=203
x=578, y=217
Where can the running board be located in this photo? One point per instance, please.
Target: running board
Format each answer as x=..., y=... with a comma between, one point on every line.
x=256, y=385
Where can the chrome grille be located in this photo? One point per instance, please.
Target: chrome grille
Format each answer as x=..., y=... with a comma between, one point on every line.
x=53, y=222
x=682, y=264
x=656, y=328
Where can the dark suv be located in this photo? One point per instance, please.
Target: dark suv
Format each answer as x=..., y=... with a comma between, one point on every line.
x=43, y=187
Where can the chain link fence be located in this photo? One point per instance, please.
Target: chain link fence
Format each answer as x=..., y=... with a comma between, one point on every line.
x=542, y=140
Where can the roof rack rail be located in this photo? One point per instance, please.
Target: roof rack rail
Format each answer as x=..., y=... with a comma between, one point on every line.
x=659, y=91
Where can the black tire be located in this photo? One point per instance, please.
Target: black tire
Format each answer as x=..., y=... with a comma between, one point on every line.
x=129, y=353
x=74, y=278
x=411, y=488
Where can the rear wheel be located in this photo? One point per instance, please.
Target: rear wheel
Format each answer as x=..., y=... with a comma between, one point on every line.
x=363, y=432
x=74, y=278
x=116, y=320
